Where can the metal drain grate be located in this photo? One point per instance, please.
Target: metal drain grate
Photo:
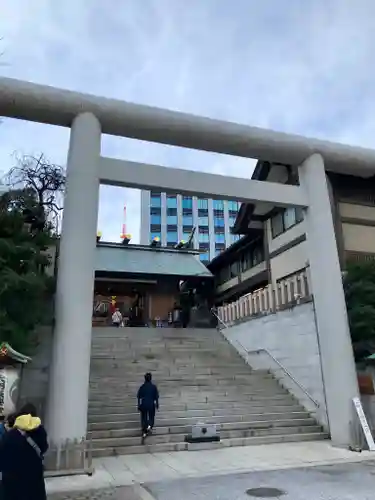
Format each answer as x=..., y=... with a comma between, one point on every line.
x=265, y=492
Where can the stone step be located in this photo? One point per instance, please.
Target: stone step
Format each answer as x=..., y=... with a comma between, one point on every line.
x=187, y=377
x=131, y=421
x=132, y=413
x=201, y=378
x=226, y=434
x=137, y=332
x=234, y=394
x=171, y=364
x=232, y=373
x=225, y=443
x=190, y=384
x=180, y=377
x=157, y=344
x=128, y=407
x=178, y=404
x=142, y=362
x=185, y=429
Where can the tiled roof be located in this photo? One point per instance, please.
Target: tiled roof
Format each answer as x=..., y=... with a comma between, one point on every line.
x=134, y=259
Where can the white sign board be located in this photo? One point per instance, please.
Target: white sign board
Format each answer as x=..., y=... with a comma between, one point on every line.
x=363, y=420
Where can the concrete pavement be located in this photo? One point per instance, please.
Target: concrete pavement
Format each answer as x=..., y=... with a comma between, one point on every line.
x=131, y=470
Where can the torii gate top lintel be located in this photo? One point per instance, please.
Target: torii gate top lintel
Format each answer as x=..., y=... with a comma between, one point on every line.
x=45, y=104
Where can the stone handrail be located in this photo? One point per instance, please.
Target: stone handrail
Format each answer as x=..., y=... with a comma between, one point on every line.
x=267, y=300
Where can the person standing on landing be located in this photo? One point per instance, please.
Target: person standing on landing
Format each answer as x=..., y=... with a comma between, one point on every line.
x=22, y=450
x=148, y=403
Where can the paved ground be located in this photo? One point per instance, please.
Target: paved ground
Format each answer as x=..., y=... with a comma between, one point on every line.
x=121, y=493
x=131, y=470
x=334, y=482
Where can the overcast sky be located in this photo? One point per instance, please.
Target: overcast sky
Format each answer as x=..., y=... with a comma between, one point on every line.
x=300, y=66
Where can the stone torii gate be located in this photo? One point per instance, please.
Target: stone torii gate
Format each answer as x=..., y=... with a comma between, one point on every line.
x=88, y=117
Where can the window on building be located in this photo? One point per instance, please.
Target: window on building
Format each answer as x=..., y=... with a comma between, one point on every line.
x=203, y=221
x=172, y=228
x=186, y=236
x=252, y=256
x=187, y=220
x=219, y=214
x=171, y=211
x=204, y=237
x=204, y=245
x=218, y=205
x=299, y=215
x=223, y=275
x=219, y=221
x=155, y=211
x=219, y=237
x=155, y=228
x=172, y=237
x=155, y=219
x=202, y=212
x=204, y=257
x=203, y=229
x=187, y=202
x=155, y=200
x=233, y=206
x=202, y=203
x=219, y=230
x=258, y=255
x=284, y=220
x=172, y=220
x=171, y=201
x=289, y=218
x=187, y=229
x=234, y=269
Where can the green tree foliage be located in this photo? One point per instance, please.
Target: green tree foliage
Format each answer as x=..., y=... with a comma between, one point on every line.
x=24, y=287
x=28, y=215
x=359, y=284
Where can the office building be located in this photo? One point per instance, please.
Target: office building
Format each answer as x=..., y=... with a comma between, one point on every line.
x=172, y=217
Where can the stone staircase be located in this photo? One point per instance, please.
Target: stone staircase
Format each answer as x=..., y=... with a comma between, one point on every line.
x=201, y=379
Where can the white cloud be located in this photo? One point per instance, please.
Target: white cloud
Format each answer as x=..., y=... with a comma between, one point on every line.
x=297, y=66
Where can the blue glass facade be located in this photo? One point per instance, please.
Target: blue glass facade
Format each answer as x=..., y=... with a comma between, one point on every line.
x=173, y=217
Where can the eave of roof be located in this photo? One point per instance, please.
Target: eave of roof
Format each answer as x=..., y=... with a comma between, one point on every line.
x=146, y=260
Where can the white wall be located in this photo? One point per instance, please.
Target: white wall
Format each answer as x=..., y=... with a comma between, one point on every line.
x=291, y=337
x=354, y=211
x=289, y=261
x=359, y=238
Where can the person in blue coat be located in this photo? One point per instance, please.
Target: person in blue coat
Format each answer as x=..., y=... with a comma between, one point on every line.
x=148, y=403
x=22, y=450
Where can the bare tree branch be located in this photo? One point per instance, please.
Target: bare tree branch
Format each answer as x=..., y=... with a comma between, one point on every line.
x=44, y=180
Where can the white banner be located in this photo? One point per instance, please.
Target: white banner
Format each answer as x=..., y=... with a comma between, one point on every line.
x=9, y=383
x=363, y=420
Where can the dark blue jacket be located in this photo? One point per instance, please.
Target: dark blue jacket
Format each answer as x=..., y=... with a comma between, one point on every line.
x=22, y=469
x=148, y=396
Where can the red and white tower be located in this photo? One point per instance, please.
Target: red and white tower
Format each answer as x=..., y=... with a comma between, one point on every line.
x=125, y=237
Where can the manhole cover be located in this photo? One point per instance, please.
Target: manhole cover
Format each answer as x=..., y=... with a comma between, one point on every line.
x=265, y=492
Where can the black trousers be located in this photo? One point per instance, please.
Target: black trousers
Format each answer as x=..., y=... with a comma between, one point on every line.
x=147, y=418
